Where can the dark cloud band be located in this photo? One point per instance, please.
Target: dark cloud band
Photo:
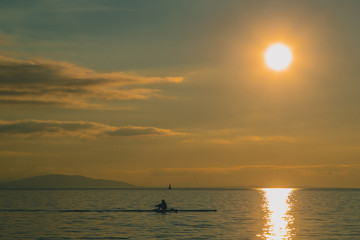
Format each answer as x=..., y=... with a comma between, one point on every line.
x=68, y=85
x=51, y=128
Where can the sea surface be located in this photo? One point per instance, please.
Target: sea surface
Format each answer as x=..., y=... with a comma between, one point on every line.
x=241, y=214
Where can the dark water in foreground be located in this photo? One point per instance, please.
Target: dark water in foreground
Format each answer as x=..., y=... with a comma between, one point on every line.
x=242, y=214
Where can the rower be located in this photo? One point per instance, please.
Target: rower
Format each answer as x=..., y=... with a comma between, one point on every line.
x=162, y=206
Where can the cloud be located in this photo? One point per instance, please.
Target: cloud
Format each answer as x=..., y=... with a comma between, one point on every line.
x=82, y=129
x=45, y=82
x=236, y=136
x=218, y=141
x=304, y=169
x=268, y=139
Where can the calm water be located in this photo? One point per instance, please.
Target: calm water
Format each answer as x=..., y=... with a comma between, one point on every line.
x=242, y=214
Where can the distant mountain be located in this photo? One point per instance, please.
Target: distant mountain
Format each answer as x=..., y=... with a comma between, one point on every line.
x=63, y=182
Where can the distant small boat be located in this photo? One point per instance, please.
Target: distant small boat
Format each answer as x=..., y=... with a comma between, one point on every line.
x=169, y=186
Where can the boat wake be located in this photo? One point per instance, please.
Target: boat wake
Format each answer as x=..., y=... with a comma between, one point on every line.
x=105, y=210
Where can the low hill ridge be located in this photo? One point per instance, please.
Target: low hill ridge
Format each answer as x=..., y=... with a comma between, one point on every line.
x=63, y=182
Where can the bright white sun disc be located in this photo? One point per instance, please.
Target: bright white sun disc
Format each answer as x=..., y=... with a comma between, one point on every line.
x=278, y=57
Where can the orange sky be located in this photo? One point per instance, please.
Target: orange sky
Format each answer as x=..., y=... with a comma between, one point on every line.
x=178, y=92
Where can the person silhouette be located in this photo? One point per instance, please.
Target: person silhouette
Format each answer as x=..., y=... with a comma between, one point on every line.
x=162, y=206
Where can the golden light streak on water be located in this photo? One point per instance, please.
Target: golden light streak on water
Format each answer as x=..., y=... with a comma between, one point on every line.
x=278, y=219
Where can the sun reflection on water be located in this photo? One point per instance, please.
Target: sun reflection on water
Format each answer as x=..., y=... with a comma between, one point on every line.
x=277, y=208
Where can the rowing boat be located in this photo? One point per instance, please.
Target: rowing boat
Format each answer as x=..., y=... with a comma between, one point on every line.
x=171, y=210
x=107, y=210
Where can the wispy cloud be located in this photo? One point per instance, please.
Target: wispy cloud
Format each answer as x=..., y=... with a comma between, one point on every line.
x=304, y=169
x=235, y=136
x=45, y=82
x=82, y=129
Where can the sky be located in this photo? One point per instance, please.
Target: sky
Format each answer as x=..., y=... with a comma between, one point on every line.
x=177, y=92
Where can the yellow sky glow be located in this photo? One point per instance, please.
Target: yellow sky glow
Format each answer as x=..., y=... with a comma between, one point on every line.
x=241, y=94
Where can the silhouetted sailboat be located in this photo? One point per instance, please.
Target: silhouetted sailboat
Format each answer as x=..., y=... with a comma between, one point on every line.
x=169, y=186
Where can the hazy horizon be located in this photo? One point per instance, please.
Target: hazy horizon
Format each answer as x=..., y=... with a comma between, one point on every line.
x=164, y=187
x=178, y=92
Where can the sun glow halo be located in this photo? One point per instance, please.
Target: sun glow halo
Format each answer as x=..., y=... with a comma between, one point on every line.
x=278, y=57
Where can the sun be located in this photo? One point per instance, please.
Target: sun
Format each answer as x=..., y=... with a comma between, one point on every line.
x=278, y=57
